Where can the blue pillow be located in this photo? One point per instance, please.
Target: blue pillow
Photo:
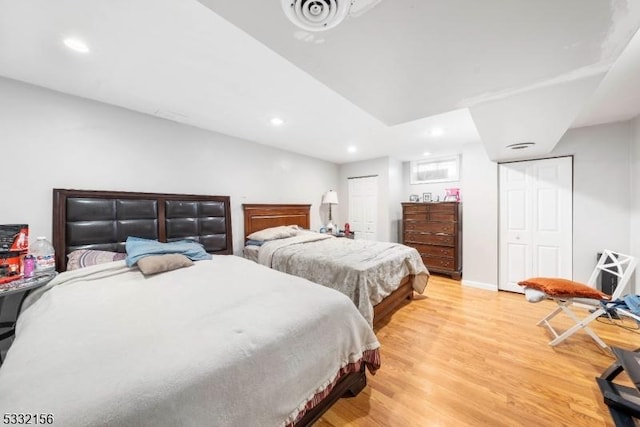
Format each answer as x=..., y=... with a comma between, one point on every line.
x=255, y=242
x=139, y=248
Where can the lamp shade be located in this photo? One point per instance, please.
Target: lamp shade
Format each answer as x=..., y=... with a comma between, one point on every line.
x=330, y=198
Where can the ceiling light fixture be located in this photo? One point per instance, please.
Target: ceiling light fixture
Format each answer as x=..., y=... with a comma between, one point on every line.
x=436, y=132
x=76, y=45
x=521, y=145
x=426, y=153
x=276, y=121
x=352, y=149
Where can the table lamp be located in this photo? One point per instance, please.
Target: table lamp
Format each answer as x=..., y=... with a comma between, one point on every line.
x=330, y=198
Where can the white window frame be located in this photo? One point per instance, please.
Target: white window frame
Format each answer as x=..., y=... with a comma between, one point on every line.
x=452, y=174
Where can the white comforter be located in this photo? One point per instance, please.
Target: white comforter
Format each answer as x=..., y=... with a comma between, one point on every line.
x=365, y=271
x=225, y=342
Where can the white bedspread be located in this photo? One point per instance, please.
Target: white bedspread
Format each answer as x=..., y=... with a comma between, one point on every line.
x=225, y=342
x=365, y=271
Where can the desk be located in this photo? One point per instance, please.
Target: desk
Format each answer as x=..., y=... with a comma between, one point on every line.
x=19, y=289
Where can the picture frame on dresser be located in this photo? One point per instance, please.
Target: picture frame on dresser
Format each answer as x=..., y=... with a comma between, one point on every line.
x=427, y=197
x=414, y=198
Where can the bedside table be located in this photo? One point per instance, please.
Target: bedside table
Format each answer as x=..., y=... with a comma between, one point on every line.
x=17, y=291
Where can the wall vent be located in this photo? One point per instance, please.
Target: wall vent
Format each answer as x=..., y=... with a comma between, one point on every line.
x=521, y=145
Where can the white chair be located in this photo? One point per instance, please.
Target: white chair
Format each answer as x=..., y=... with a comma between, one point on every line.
x=618, y=264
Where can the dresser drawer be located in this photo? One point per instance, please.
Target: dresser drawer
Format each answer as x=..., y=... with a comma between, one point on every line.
x=444, y=216
x=415, y=237
x=416, y=216
x=444, y=207
x=434, y=250
x=433, y=227
x=435, y=262
x=417, y=208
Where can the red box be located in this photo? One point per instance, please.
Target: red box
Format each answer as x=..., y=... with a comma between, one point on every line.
x=11, y=265
x=14, y=237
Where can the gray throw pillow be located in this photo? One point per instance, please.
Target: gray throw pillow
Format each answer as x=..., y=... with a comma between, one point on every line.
x=153, y=264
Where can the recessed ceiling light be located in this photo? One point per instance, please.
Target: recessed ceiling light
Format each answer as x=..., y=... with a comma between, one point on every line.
x=426, y=153
x=352, y=149
x=521, y=145
x=436, y=132
x=276, y=121
x=76, y=45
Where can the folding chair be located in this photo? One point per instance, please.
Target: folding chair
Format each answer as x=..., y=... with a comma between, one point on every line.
x=618, y=264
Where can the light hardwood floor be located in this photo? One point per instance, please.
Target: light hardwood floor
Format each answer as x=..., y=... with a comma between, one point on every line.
x=460, y=356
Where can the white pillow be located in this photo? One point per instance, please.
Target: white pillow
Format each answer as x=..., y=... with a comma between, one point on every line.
x=274, y=233
x=534, y=295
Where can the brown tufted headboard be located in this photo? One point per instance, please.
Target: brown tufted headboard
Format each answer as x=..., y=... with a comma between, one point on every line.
x=104, y=219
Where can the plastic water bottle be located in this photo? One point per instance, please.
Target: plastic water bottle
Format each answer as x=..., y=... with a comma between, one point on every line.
x=44, y=253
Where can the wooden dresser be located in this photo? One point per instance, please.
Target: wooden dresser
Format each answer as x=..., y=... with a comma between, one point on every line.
x=435, y=230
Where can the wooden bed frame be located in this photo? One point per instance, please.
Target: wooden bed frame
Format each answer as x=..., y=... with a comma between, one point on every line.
x=260, y=216
x=78, y=213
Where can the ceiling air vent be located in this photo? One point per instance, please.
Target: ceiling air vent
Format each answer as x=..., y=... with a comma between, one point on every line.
x=521, y=145
x=316, y=15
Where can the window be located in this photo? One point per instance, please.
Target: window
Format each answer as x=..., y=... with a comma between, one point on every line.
x=440, y=169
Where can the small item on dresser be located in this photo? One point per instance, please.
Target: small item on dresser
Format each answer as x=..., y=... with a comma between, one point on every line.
x=44, y=253
x=452, y=195
x=347, y=229
x=29, y=266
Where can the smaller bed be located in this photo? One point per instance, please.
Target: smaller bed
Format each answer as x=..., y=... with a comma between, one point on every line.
x=377, y=276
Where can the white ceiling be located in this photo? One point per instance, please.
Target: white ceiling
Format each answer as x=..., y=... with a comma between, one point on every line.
x=494, y=72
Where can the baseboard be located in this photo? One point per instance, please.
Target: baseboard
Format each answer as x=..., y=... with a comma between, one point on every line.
x=480, y=285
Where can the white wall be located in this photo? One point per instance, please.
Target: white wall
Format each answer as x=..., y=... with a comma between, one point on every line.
x=380, y=168
x=437, y=189
x=396, y=197
x=479, y=196
x=51, y=140
x=634, y=228
x=601, y=205
x=601, y=191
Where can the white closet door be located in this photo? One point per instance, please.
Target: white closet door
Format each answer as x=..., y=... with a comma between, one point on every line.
x=536, y=214
x=363, y=207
